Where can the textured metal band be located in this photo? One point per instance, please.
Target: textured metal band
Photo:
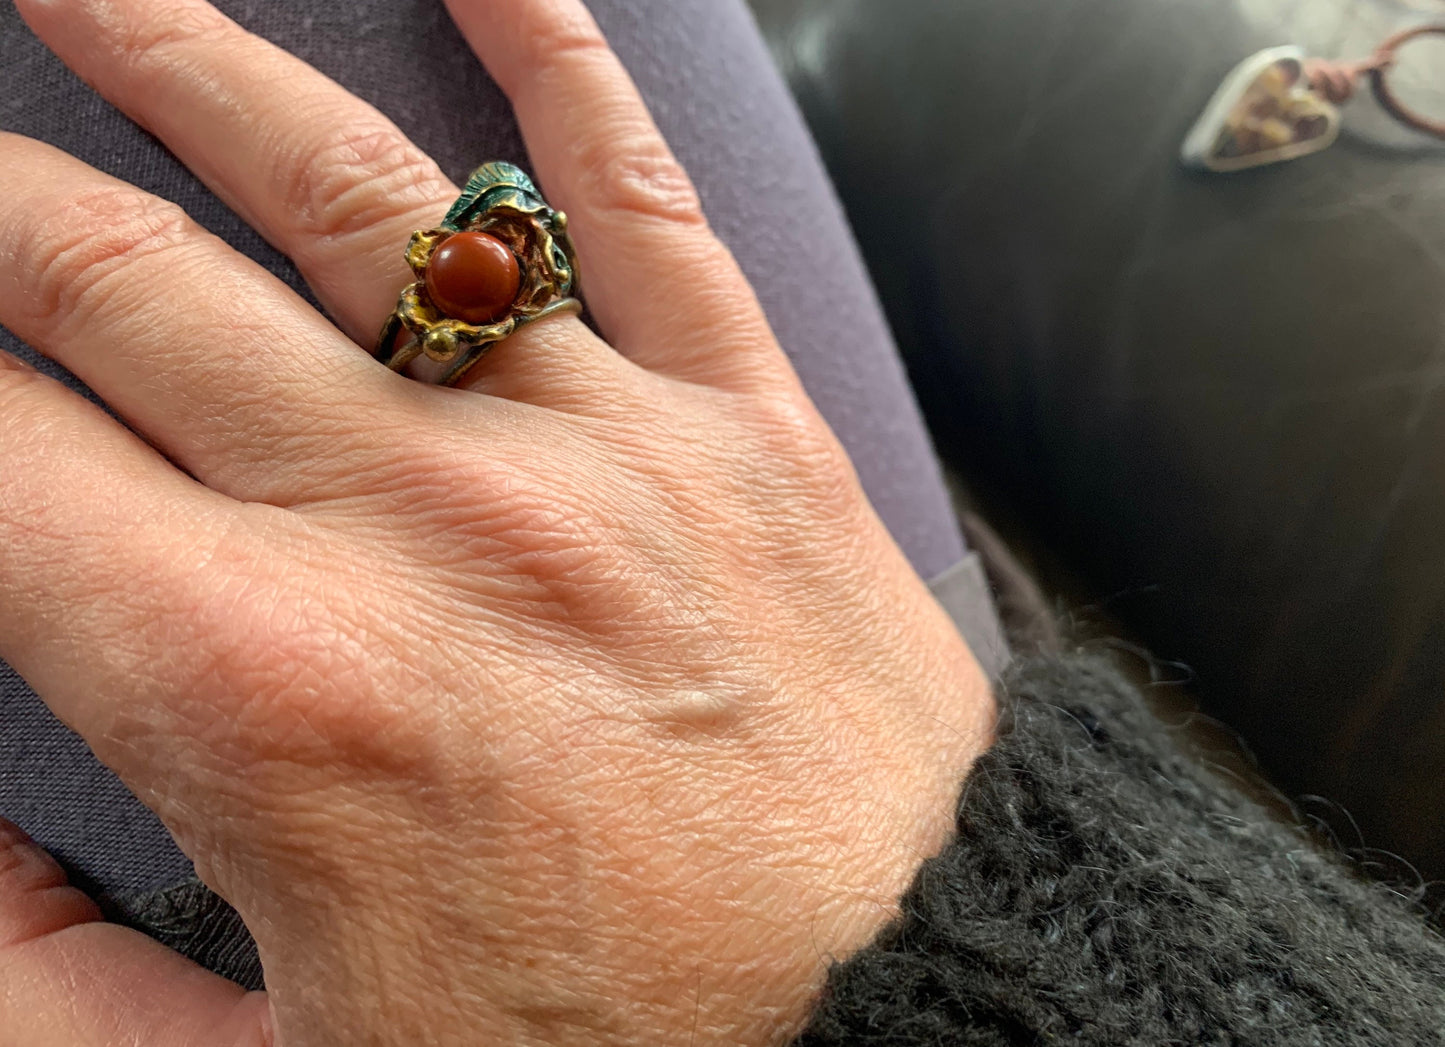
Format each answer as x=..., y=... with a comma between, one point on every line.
x=500, y=200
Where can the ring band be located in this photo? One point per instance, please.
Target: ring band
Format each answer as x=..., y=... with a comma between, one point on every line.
x=499, y=260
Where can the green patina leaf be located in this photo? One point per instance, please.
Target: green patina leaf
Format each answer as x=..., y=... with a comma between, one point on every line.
x=483, y=182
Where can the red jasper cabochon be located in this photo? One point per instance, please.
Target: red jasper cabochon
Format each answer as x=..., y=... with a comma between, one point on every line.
x=473, y=277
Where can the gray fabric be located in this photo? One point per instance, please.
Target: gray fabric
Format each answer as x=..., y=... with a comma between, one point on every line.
x=963, y=590
x=54, y=789
x=709, y=79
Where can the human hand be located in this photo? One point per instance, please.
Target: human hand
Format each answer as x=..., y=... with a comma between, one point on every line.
x=591, y=704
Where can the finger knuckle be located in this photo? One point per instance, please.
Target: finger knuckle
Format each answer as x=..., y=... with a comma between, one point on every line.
x=794, y=433
x=72, y=254
x=549, y=41
x=626, y=166
x=633, y=174
x=351, y=179
x=161, y=37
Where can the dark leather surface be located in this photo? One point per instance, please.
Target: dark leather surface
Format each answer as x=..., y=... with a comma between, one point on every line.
x=1221, y=398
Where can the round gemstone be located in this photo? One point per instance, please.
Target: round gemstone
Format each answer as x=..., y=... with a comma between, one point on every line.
x=473, y=277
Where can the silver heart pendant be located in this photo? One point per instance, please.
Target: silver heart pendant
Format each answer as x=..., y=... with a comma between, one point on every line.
x=1265, y=112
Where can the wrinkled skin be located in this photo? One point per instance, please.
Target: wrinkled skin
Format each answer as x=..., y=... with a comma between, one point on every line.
x=590, y=704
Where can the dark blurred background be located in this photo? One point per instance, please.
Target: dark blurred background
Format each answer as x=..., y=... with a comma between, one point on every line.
x=1209, y=409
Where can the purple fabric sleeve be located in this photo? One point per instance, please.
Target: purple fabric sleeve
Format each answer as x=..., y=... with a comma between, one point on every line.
x=708, y=77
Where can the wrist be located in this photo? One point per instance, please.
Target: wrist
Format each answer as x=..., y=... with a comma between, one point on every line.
x=883, y=780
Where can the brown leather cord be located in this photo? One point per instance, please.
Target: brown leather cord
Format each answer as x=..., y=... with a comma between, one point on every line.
x=1385, y=94
x=1336, y=80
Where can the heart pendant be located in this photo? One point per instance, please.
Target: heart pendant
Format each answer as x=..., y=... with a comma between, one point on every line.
x=1264, y=112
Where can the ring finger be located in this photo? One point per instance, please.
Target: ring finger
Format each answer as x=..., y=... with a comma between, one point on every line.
x=326, y=178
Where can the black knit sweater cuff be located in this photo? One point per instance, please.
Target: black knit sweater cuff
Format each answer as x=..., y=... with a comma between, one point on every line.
x=1106, y=888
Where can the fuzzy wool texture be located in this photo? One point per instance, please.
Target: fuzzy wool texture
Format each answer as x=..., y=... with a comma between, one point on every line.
x=1107, y=888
